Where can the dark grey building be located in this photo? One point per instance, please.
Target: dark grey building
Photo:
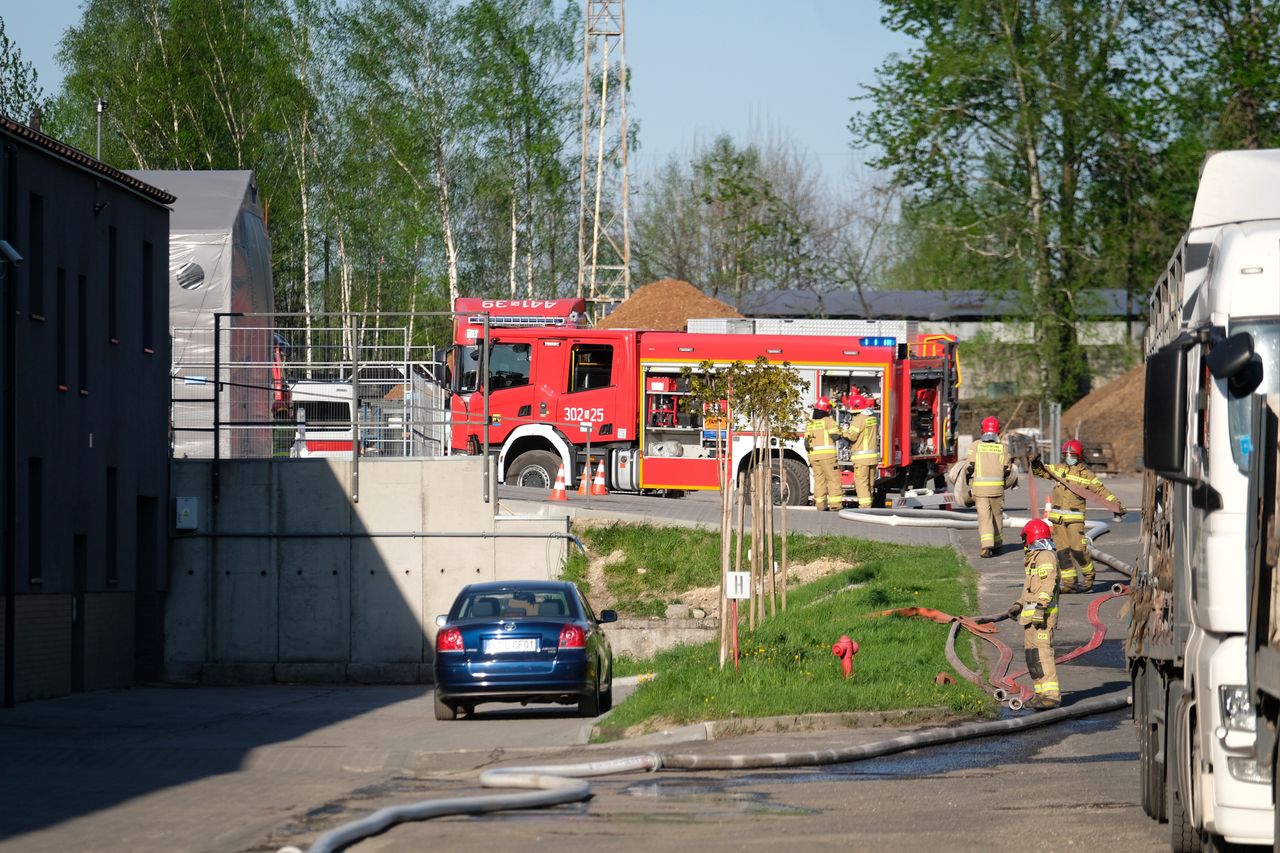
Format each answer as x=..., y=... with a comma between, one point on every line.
x=84, y=351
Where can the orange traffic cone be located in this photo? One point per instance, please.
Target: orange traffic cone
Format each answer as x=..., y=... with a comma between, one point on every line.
x=1048, y=505
x=558, y=492
x=584, y=485
x=597, y=487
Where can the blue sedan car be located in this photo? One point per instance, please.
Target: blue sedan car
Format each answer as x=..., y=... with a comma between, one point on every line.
x=522, y=641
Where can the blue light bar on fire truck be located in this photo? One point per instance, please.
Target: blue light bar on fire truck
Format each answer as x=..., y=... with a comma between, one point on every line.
x=878, y=342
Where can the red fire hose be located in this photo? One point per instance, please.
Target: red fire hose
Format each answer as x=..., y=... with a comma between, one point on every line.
x=1006, y=690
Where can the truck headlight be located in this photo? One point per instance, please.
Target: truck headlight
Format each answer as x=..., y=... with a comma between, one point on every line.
x=1249, y=770
x=1237, y=708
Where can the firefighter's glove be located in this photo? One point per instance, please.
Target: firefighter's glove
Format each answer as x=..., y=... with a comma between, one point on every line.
x=1039, y=619
x=1015, y=609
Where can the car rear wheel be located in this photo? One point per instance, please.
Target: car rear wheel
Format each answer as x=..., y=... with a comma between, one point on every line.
x=445, y=710
x=589, y=704
x=606, y=698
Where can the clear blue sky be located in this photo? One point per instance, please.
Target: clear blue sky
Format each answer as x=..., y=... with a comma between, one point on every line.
x=699, y=68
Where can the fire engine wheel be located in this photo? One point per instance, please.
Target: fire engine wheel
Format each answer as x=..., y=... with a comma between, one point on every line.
x=534, y=469
x=792, y=488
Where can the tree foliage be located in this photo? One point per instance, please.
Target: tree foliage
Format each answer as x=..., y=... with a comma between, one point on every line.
x=20, y=92
x=1048, y=148
x=406, y=152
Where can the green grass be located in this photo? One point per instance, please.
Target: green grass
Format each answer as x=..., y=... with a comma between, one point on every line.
x=675, y=559
x=786, y=665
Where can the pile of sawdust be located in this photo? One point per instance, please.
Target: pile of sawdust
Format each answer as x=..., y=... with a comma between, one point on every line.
x=1111, y=415
x=666, y=305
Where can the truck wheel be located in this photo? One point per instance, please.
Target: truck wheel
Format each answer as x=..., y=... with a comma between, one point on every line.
x=1183, y=837
x=1142, y=728
x=795, y=475
x=1156, y=775
x=534, y=469
x=792, y=488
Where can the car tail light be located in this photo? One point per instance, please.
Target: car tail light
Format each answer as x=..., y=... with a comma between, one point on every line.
x=572, y=637
x=449, y=640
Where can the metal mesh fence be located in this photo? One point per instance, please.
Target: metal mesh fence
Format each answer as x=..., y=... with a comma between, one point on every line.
x=256, y=386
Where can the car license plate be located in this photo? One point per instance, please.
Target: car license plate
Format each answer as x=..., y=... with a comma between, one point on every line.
x=511, y=644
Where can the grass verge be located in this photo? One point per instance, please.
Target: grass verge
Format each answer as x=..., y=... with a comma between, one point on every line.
x=786, y=665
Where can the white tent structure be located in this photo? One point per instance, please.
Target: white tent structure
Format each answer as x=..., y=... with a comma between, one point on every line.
x=219, y=263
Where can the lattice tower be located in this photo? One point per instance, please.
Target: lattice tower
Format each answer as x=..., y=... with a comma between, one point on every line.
x=604, y=227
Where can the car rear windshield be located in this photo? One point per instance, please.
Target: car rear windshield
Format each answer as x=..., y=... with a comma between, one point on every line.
x=514, y=604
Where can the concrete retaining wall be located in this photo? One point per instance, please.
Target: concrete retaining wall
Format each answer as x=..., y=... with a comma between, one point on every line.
x=278, y=605
x=642, y=638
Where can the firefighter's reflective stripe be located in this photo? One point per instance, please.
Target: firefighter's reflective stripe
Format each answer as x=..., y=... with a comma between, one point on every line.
x=819, y=435
x=1048, y=686
x=1066, y=516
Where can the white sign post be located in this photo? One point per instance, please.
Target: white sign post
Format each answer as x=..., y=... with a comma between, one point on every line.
x=737, y=587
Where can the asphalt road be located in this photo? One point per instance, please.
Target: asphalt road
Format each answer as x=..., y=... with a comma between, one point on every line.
x=256, y=768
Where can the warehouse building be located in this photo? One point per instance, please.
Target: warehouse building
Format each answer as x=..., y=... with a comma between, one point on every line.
x=84, y=362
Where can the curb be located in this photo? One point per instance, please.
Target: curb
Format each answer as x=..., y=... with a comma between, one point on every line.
x=738, y=727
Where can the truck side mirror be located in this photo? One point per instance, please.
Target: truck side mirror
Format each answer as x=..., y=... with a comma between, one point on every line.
x=1164, y=422
x=1234, y=359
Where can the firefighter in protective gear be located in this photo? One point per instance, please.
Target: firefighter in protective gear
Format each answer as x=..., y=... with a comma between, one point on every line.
x=1037, y=613
x=820, y=440
x=863, y=434
x=1067, y=514
x=988, y=468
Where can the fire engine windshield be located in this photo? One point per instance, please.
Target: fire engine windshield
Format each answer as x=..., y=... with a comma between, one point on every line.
x=1266, y=347
x=508, y=367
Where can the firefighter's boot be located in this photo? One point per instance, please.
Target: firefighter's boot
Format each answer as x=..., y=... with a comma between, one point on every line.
x=1045, y=703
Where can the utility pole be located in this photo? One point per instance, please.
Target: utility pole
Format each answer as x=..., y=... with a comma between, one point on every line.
x=100, y=105
x=604, y=198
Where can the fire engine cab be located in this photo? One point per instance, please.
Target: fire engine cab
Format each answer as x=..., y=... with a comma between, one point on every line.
x=561, y=394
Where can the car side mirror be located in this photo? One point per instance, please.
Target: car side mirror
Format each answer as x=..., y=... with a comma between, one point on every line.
x=441, y=619
x=608, y=616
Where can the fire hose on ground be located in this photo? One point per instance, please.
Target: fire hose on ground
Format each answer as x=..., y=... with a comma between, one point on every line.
x=555, y=784
x=552, y=785
x=962, y=520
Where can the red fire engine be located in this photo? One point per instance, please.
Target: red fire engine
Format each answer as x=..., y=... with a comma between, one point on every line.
x=558, y=392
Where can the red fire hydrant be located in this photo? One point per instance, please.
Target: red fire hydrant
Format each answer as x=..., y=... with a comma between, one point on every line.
x=845, y=650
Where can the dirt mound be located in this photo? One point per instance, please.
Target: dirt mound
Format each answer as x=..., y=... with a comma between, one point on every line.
x=1111, y=415
x=666, y=305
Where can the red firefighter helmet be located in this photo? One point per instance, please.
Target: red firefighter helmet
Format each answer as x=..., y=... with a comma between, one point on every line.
x=822, y=404
x=1035, y=530
x=1074, y=447
x=856, y=402
x=991, y=425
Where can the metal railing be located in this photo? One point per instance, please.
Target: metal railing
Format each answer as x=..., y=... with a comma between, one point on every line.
x=289, y=385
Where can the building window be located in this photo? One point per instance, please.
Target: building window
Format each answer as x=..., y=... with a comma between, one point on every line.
x=62, y=329
x=35, y=520
x=113, y=524
x=148, y=298
x=35, y=262
x=591, y=366
x=82, y=334
x=113, y=332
